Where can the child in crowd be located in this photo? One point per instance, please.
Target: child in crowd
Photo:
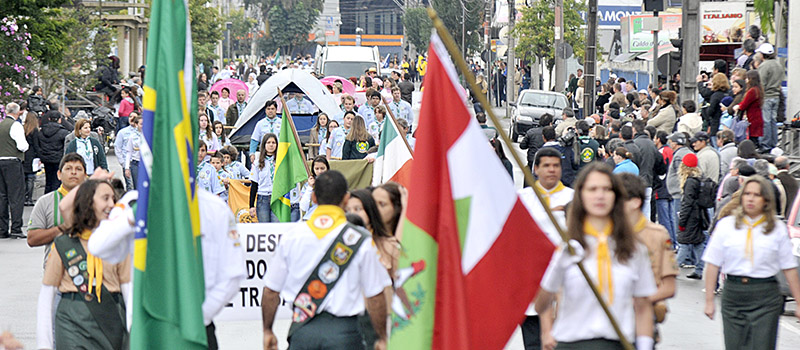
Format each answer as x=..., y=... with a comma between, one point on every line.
x=222, y=174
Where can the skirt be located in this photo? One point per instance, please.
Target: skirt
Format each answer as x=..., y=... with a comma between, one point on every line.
x=750, y=314
x=76, y=328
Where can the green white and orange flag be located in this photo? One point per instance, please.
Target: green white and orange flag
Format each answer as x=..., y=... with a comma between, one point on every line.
x=289, y=170
x=393, y=162
x=473, y=256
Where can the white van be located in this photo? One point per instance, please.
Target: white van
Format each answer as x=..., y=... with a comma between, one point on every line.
x=347, y=61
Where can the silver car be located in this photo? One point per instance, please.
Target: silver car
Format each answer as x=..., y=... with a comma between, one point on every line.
x=530, y=106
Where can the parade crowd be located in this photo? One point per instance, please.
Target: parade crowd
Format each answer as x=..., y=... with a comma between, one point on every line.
x=644, y=188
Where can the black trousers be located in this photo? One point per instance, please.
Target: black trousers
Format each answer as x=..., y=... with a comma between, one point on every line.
x=211, y=333
x=531, y=333
x=12, y=196
x=51, y=181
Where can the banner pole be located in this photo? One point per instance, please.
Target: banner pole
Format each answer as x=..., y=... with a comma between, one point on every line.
x=461, y=64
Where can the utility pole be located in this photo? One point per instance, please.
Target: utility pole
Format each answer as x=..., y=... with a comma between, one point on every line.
x=510, y=68
x=793, y=76
x=560, y=68
x=691, y=49
x=654, y=79
x=590, y=60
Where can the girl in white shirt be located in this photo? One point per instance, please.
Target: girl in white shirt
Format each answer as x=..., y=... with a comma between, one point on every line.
x=261, y=175
x=207, y=134
x=750, y=247
x=617, y=263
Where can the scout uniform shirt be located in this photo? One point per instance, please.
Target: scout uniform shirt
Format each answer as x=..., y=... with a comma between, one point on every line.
x=263, y=176
x=223, y=174
x=46, y=215
x=207, y=178
x=762, y=256
x=402, y=110
x=55, y=275
x=374, y=129
x=559, y=196
x=659, y=246
x=300, y=107
x=237, y=170
x=263, y=127
x=301, y=250
x=337, y=142
x=367, y=112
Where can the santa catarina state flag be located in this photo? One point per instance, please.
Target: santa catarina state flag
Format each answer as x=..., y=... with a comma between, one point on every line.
x=473, y=256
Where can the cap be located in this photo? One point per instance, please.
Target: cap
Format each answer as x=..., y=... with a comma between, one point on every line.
x=766, y=48
x=643, y=91
x=700, y=136
x=773, y=170
x=678, y=137
x=613, y=76
x=373, y=69
x=690, y=160
x=726, y=101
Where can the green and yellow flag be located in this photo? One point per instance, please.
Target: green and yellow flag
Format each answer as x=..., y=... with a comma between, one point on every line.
x=289, y=171
x=168, y=260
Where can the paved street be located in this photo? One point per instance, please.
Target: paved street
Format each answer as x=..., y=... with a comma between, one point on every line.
x=686, y=326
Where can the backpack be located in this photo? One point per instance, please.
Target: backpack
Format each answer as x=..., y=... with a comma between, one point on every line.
x=740, y=129
x=708, y=193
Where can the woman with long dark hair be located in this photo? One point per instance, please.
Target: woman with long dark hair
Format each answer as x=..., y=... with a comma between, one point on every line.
x=89, y=286
x=318, y=133
x=602, y=238
x=751, y=106
x=750, y=247
x=261, y=175
x=31, y=128
x=318, y=167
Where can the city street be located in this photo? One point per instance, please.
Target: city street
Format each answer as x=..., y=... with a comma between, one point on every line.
x=686, y=326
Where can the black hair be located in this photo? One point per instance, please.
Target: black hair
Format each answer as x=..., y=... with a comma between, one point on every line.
x=583, y=127
x=749, y=45
x=270, y=103
x=626, y=133
x=639, y=125
x=690, y=106
x=84, y=217
x=662, y=136
x=214, y=93
x=375, y=94
x=546, y=152
x=634, y=187
x=546, y=119
x=355, y=219
x=330, y=188
x=374, y=216
x=651, y=130
x=319, y=159
x=481, y=117
x=721, y=66
x=229, y=90
x=746, y=170
x=72, y=157
x=549, y=133
x=616, y=125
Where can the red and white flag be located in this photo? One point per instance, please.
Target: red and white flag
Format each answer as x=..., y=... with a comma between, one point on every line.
x=393, y=162
x=473, y=256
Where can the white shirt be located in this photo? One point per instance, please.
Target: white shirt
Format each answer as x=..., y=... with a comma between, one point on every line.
x=223, y=257
x=120, y=142
x=300, y=252
x=300, y=107
x=771, y=253
x=557, y=199
x=402, y=110
x=580, y=316
x=263, y=176
x=17, y=133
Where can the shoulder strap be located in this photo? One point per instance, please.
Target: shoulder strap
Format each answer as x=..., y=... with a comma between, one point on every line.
x=326, y=274
x=73, y=257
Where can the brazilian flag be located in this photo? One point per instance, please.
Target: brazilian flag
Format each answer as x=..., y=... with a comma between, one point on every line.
x=168, y=264
x=289, y=170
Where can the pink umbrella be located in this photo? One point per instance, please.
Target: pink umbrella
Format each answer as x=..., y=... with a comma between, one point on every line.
x=233, y=85
x=347, y=85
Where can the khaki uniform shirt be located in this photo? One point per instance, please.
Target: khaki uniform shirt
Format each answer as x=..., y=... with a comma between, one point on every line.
x=659, y=247
x=113, y=274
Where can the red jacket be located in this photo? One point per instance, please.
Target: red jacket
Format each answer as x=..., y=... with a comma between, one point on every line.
x=125, y=108
x=751, y=104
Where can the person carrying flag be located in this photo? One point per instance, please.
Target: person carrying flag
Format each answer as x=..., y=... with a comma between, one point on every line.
x=308, y=267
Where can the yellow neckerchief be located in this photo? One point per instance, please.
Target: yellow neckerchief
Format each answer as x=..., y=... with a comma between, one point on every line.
x=748, y=248
x=605, y=279
x=94, y=266
x=63, y=191
x=547, y=193
x=640, y=224
x=325, y=219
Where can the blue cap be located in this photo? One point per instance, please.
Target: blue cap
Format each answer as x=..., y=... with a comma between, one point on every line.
x=726, y=101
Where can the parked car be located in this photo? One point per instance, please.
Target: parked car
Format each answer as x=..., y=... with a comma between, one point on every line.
x=530, y=106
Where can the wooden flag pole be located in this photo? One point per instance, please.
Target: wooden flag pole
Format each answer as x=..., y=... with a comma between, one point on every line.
x=294, y=132
x=397, y=127
x=461, y=64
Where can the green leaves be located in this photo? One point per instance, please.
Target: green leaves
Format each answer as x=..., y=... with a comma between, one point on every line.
x=535, y=33
x=418, y=27
x=206, y=30
x=289, y=28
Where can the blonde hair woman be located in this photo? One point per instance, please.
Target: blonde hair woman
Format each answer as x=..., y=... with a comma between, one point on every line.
x=750, y=247
x=358, y=141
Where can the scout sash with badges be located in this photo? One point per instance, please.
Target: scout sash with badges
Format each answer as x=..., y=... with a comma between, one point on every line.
x=73, y=256
x=326, y=274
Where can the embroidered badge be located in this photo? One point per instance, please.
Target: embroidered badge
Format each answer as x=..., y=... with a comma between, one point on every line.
x=323, y=222
x=351, y=236
x=328, y=272
x=317, y=289
x=71, y=253
x=82, y=266
x=341, y=254
x=78, y=280
x=83, y=288
x=73, y=271
x=303, y=308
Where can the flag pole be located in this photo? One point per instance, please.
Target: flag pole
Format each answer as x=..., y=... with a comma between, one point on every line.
x=294, y=132
x=455, y=53
x=397, y=127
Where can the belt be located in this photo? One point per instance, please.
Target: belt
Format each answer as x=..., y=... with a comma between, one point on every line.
x=749, y=280
x=11, y=158
x=134, y=161
x=79, y=296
